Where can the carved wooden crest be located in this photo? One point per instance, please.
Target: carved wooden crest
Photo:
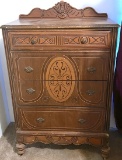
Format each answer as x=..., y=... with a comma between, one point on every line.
x=63, y=10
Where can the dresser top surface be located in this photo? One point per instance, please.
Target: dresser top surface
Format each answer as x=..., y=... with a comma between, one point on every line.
x=61, y=23
x=62, y=15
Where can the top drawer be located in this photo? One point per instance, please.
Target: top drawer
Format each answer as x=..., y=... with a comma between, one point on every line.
x=61, y=39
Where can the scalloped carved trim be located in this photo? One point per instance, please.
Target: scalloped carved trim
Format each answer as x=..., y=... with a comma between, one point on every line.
x=61, y=140
x=63, y=10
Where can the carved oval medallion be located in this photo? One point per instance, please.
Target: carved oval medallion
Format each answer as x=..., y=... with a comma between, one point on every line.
x=60, y=79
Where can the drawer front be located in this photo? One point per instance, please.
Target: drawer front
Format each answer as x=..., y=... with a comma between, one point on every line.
x=28, y=92
x=70, y=79
x=28, y=66
x=76, y=93
x=75, y=120
x=61, y=66
x=62, y=38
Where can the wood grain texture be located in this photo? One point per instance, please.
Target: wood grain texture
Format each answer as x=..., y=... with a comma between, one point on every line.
x=54, y=39
x=61, y=75
x=58, y=119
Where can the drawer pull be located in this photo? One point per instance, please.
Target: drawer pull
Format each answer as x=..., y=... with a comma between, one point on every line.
x=30, y=90
x=84, y=40
x=90, y=92
x=33, y=41
x=40, y=120
x=91, y=69
x=28, y=69
x=81, y=121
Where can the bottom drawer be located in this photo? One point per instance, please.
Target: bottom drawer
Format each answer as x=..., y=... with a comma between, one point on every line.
x=59, y=119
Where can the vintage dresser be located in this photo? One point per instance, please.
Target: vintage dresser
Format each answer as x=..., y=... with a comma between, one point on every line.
x=61, y=65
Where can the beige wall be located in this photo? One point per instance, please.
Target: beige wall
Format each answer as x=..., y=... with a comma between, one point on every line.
x=4, y=114
x=3, y=119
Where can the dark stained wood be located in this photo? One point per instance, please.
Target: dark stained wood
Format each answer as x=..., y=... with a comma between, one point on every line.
x=61, y=75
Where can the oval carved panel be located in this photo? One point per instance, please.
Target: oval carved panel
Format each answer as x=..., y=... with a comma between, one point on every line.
x=60, y=78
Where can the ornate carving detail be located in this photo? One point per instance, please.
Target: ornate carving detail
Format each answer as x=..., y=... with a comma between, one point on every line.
x=47, y=40
x=63, y=140
x=79, y=40
x=101, y=141
x=97, y=40
x=30, y=39
x=21, y=40
x=60, y=78
x=63, y=10
x=58, y=40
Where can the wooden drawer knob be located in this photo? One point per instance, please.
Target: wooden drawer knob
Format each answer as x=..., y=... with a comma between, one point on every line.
x=81, y=121
x=40, y=120
x=33, y=41
x=84, y=40
x=91, y=69
x=28, y=69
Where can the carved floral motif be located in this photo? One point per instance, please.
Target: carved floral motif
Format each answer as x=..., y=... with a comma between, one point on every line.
x=63, y=9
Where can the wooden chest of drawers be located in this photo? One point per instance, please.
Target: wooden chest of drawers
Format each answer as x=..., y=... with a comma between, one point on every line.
x=61, y=64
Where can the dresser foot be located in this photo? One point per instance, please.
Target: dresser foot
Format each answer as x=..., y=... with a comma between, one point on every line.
x=20, y=148
x=105, y=152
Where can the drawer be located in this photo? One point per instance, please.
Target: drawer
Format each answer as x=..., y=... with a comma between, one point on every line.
x=28, y=92
x=28, y=66
x=57, y=39
x=91, y=65
x=49, y=119
x=61, y=66
x=76, y=93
